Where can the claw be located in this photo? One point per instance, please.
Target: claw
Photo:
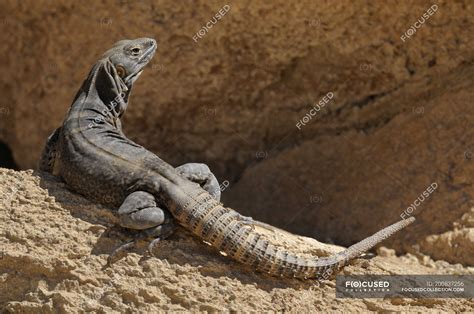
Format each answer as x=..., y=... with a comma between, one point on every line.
x=152, y=245
x=249, y=221
x=119, y=251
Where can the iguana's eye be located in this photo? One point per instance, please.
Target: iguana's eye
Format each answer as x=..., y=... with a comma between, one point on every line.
x=120, y=71
x=135, y=51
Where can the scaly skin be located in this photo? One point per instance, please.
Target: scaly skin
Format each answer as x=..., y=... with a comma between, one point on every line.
x=94, y=157
x=217, y=225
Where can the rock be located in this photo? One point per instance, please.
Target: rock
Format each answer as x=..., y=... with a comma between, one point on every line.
x=385, y=252
x=348, y=186
x=53, y=260
x=239, y=90
x=399, y=118
x=453, y=246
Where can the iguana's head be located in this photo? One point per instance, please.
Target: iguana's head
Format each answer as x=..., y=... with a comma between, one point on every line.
x=129, y=57
x=112, y=77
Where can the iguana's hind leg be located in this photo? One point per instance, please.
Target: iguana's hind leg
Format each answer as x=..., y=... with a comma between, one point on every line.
x=201, y=174
x=139, y=211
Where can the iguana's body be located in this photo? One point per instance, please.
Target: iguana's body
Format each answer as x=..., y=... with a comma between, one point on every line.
x=94, y=157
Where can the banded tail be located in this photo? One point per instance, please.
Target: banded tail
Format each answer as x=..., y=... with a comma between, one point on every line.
x=226, y=231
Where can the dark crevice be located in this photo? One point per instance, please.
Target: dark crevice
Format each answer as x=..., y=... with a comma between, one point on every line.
x=409, y=67
x=366, y=100
x=6, y=157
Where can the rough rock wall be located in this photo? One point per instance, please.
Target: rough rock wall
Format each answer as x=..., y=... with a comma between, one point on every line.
x=54, y=246
x=417, y=163
x=232, y=99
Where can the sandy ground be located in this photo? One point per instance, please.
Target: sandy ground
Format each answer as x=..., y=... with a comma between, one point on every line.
x=55, y=244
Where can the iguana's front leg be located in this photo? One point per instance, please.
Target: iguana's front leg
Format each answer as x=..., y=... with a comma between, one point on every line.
x=201, y=174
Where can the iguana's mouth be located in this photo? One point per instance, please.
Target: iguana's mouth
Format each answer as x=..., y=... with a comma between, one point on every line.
x=142, y=62
x=129, y=80
x=147, y=55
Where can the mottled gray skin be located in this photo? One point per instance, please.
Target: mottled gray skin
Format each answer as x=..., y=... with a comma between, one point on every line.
x=94, y=157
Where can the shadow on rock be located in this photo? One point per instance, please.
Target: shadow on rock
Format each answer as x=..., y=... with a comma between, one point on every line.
x=180, y=248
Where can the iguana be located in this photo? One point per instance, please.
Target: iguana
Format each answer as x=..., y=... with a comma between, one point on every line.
x=93, y=156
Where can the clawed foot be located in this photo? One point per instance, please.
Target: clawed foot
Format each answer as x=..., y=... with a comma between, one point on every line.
x=156, y=234
x=152, y=245
x=119, y=252
x=202, y=175
x=140, y=211
x=251, y=222
x=159, y=233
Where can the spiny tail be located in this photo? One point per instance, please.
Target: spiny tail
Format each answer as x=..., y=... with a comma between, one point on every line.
x=342, y=258
x=224, y=230
x=266, y=257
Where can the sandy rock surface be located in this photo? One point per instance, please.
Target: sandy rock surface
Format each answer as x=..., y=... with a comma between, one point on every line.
x=399, y=121
x=54, y=246
x=377, y=176
x=400, y=118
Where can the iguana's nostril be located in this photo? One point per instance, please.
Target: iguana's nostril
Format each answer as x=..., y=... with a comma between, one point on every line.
x=153, y=43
